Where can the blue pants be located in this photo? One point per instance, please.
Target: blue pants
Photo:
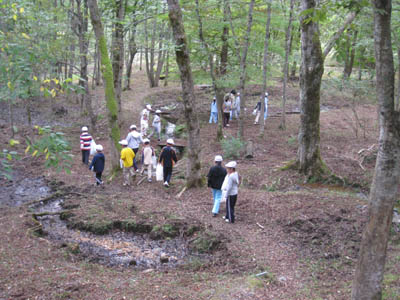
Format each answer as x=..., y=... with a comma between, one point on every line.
x=265, y=113
x=213, y=117
x=217, y=194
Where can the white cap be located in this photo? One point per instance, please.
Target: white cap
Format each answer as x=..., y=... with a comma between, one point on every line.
x=238, y=93
x=158, y=111
x=170, y=141
x=215, y=98
x=133, y=127
x=146, y=141
x=231, y=164
x=266, y=94
x=148, y=106
x=218, y=158
x=99, y=147
x=84, y=128
x=123, y=142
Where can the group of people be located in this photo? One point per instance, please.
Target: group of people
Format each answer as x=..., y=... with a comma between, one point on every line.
x=231, y=108
x=225, y=185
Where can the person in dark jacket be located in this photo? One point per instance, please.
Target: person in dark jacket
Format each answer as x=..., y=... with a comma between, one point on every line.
x=216, y=177
x=167, y=159
x=97, y=164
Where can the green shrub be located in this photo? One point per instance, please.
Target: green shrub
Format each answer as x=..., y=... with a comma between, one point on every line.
x=232, y=147
x=180, y=131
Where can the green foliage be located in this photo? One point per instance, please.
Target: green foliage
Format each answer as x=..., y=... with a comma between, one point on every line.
x=180, y=131
x=232, y=147
x=53, y=146
x=5, y=163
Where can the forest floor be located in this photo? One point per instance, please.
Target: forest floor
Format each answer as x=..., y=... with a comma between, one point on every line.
x=291, y=240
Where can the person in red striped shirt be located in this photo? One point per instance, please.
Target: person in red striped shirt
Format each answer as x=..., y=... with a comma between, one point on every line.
x=86, y=140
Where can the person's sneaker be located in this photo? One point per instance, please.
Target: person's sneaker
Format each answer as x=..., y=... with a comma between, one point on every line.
x=223, y=217
x=166, y=184
x=227, y=220
x=124, y=184
x=149, y=180
x=214, y=215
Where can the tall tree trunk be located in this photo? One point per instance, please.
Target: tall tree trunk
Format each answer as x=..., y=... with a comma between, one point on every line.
x=348, y=68
x=118, y=49
x=72, y=46
x=288, y=39
x=312, y=67
x=86, y=101
x=106, y=68
x=189, y=102
x=265, y=59
x=367, y=284
x=398, y=79
x=235, y=38
x=166, y=69
x=224, y=39
x=160, y=57
x=219, y=94
x=243, y=70
x=149, y=53
x=132, y=53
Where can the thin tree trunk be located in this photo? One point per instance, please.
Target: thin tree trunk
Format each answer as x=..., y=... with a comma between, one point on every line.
x=219, y=94
x=193, y=128
x=265, y=58
x=72, y=46
x=367, y=284
x=348, y=68
x=312, y=67
x=243, y=70
x=160, y=57
x=95, y=59
x=166, y=69
x=11, y=116
x=350, y=18
x=141, y=58
x=132, y=53
x=235, y=38
x=224, y=39
x=106, y=68
x=398, y=80
x=118, y=49
x=288, y=39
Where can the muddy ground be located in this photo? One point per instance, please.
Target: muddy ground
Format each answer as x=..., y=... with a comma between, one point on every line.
x=143, y=242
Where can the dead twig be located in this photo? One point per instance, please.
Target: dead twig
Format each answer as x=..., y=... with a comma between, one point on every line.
x=181, y=192
x=259, y=225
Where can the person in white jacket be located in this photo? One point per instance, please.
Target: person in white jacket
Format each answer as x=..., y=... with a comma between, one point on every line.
x=134, y=139
x=231, y=191
x=144, y=119
x=156, y=125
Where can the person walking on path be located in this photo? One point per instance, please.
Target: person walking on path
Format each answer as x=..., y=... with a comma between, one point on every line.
x=216, y=177
x=238, y=104
x=266, y=106
x=234, y=111
x=231, y=191
x=144, y=119
x=86, y=140
x=147, y=153
x=168, y=159
x=226, y=108
x=134, y=139
x=97, y=164
x=257, y=112
x=156, y=125
x=127, y=156
x=214, y=111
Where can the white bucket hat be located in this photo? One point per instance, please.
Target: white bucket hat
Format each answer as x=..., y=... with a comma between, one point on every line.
x=84, y=128
x=133, y=127
x=99, y=147
x=123, y=142
x=218, y=158
x=266, y=94
x=158, y=111
x=146, y=141
x=231, y=164
x=170, y=141
x=148, y=106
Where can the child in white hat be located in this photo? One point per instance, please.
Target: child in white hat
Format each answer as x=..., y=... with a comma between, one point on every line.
x=148, y=153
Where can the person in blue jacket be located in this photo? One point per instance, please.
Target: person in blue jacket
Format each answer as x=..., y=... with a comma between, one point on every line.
x=214, y=111
x=98, y=163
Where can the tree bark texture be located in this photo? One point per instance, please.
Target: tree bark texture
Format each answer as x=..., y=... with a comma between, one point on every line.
x=367, y=284
x=349, y=61
x=224, y=48
x=189, y=102
x=118, y=49
x=265, y=65
x=288, y=39
x=243, y=70
x=312, y=67
x=106, y=69
x=132, y=47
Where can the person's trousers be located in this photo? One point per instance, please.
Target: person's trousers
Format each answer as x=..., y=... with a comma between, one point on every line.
x=213, y=117
x=135, y=150
x=157, y=130
x=230, y=208
x=127, y=172
x=257, y=117
x=85, y=156
x=98, y=178
x=234, y=114
x=149, y=170
x=167, y=173
x=217, y=195
x=226, y=118
x=266, y=113
x=143, y=128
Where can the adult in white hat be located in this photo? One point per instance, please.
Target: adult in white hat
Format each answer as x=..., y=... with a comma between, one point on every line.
x=134, y=140
x=231, y=191
x=214, y=111
x=216, y=177
x=144, y=119
x=97, y=164
x=234, y=112
x=86, y=141
x=168, y=159
x=127, y=156
x=156, y=125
